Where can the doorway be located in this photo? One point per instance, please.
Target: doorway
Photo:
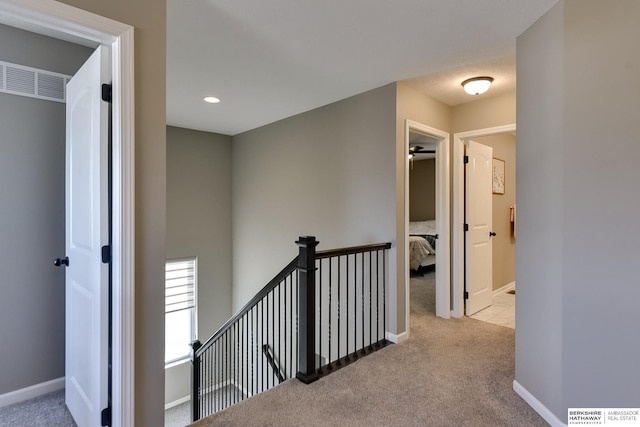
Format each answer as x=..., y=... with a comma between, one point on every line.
x=439, y=140
x=507, y=229
x=59, y=20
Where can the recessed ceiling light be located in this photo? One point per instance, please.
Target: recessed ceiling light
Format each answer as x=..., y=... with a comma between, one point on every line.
x=211, y=99
x=477, y=85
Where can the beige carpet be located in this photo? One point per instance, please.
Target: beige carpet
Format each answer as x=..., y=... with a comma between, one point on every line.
x=456, y=372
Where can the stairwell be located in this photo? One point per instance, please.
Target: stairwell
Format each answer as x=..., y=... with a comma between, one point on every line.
x=322, y=312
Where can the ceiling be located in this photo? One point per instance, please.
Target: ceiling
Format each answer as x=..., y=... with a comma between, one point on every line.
x=268, y=60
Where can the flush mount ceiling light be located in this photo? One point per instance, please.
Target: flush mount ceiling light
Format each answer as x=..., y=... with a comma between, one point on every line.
x=211, y=99
x=477, y=85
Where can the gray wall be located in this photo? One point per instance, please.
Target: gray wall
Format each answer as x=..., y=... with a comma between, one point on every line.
x=199, y=224
x=578, y=228
x=32, y=163
x=601, y=174
x=328, y=172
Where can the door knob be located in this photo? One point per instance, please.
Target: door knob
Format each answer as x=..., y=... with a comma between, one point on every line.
x=491, y=234
x=61, y=261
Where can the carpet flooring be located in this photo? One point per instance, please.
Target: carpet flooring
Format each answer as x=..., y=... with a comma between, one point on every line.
x=456, y=372
x=48, y=410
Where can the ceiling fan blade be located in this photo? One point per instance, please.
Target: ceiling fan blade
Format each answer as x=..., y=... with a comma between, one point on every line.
x=424, y=152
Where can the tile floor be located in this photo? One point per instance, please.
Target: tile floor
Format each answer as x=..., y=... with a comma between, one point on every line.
x=501, y=312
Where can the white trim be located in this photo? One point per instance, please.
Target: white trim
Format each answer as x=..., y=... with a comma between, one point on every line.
x=177, y=402
x=504, y=289
x=443, y=258
x=457, y=240
x=537, y=406
x=30, y=392
x=396, y=339
x=52, y=15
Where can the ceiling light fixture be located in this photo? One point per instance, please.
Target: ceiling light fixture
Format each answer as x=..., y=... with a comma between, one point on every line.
x=477, y=85
x=211, y=99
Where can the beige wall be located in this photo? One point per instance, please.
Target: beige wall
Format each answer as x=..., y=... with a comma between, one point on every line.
x=199, y=224
x=504, y=243
x=484, y=113
x=422, y=190
x=412, y=105
x=149, y=19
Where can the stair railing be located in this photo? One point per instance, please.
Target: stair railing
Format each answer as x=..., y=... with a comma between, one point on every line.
x=302, y=325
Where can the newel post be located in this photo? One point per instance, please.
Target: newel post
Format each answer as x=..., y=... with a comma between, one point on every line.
x=195, y=381
x=307, y=309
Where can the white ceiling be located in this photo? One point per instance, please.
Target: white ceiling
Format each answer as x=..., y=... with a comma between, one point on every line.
x=268, y=60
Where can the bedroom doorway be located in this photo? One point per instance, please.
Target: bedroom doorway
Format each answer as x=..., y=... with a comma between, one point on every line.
x=503, y=140
x=430, y=139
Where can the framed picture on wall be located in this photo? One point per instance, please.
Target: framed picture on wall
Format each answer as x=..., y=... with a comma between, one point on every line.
x=498, y=176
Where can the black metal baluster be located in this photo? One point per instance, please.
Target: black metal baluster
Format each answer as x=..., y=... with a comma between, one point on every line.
x=384, y=293
x=290, y=326
x=329, y=315
x=234, y=381
x=273, y=335
x=297, y=333
x=227, y=365
x=279, y=359
x=320, y=313
x=347, y=358
x=377, y=298
x=214, y=384
x=338, y=304
x=355, y=305
x=370, y=302
x=362, y=300
x=252, y=346
x=239, y=361
x=262, y=327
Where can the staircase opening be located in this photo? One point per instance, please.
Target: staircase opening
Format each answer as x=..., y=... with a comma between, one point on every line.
x=323, y=311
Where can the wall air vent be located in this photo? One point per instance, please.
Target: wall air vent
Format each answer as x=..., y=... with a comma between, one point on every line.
x=32, y=82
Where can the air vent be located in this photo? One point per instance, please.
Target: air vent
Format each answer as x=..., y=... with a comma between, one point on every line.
x=32, y=82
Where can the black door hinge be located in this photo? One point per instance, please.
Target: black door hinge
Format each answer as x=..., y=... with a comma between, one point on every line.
x=466, y=227
x=105, y=416
x=466, y=295
x=106, y=92
x=106, y=254
x=466, y=159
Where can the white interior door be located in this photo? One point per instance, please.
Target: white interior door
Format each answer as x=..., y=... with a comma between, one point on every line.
x=479, y=210
x=86, y=362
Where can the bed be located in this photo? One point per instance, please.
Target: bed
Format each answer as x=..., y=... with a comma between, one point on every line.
x=422, y=244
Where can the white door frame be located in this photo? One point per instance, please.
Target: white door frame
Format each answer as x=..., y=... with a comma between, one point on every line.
x=443, y=296
x=48, y=17
x=457, y=244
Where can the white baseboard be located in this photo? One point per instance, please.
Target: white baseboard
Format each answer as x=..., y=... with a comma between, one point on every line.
x=396, y=339
x=537, y=406
x=504, y=289
x=30, y=392
x=177, y=402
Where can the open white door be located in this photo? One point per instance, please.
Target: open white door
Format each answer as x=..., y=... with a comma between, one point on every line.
x=87, y=281
x=479, y=210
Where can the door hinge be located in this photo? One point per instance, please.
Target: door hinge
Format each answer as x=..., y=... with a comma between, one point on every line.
x=466, y=227
x=106, y=254
x=105, y=416
x=466, y=295
x=106, y=92
x=466, y=159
